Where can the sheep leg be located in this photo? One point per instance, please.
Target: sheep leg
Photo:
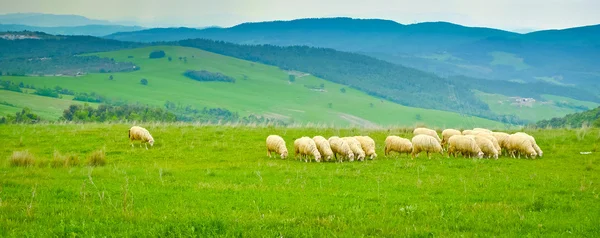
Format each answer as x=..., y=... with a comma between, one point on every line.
x=269, y=153
x=146, y=144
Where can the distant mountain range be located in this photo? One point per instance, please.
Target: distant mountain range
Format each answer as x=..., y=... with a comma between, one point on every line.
x=49, y=20
x=562, y=57
x=89, y=30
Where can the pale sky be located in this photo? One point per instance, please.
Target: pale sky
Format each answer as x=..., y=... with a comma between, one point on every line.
x=504, y=14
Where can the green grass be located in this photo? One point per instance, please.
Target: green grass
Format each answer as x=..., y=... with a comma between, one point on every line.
x=552, y=80
x=46, y=107
x=266, y=91
x=508, y=59
x=539, y=110
x=217, y=181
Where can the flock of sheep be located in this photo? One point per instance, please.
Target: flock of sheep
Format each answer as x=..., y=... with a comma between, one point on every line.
x=475, y=143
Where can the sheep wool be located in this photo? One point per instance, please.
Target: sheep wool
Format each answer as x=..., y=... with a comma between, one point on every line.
x=397, y=144
x=426, y=131
x=323, y=147
x=486, y=146
x=533, y=143
x=466, y=145
x=305, y=146
x=368, y=145
x=446, y=134
x=340, y=147
x=355, y=147
x=426, y=143
x=276, y=144
x=141, y=134
x=520, y=144
x=502, y=139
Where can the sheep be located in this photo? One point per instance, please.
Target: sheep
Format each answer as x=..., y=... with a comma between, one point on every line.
x=355, y=147
x=339, y=146
x=486, y=146
x=305, y=146
x=502, y=139
x=425, y=143
x=534, y=144
x=398, y=144
x=468, y=132
x=446, y=134
x=427, y=131
x=141, y=134
x=323, y=147
x=368, y=145
x=520, y=144
x=466, y=145
x=492, y=139
x=276, y=144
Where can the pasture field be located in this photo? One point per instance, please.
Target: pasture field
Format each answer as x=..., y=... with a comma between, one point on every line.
x=203, y=180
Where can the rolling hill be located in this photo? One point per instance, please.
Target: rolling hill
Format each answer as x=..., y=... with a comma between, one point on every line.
x=258, y=90
x=49, y=20
x=563, y=56
x=88, y=30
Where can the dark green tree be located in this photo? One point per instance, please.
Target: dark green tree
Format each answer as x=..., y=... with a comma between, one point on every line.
x=144, y=82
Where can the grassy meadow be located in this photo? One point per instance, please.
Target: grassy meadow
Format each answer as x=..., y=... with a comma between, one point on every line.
x=203, y=180
x=259, y=89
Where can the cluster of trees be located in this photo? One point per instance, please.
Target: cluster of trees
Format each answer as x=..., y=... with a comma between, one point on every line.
x=64, y=65
x=188, y=113
x=10, y=86
x=207, y=76
x=105, y=112
x=157, y=54
x=90, y=97
x=24, y=116
x=590, y=117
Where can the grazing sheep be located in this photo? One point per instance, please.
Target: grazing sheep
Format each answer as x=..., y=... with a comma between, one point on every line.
x=466, y=145
x=398, y=144
x=339, y=146
x=425, y=143
x=502, y=139
x=492, y=139
x=427, y=131
x=368, y=145
x=276, y=144
x=468, y=132
x=520, y=144
x=482, y=130
x=323, y=147
x=486, y=146
x=141, y=134
x=534, y=144
x=305, y=146
x=446, y=134
x=355, y=147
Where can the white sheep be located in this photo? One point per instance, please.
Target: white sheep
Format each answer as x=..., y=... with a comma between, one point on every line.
x=426, y=143
x=447, y=133
x=520, y=144
x=368, y=145
x=486, y=146
x=305, y=146
x=427, y=131
x=492, y=139
x=537, y=149
x=276, y=144
x=398, y=144
x=468, y=132
x=466, y=145
x=323, y=147
x=502, y=139
x=141, y=134
x=355, y=147
x=340, y=147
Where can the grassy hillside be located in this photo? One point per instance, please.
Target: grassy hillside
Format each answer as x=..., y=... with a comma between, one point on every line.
x=217, y=181
x=259, y=89
x=46, y=107
x=547, y=107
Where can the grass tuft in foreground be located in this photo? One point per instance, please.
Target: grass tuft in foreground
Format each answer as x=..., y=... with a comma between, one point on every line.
x=21, y=159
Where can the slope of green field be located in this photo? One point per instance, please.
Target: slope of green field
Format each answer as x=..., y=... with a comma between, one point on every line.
x=259, y=89
x=536, y=111
x=46, y=107
x=508, y=59
x=217, y=181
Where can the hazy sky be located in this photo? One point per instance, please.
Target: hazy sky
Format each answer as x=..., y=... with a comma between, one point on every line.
x=506, y=14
